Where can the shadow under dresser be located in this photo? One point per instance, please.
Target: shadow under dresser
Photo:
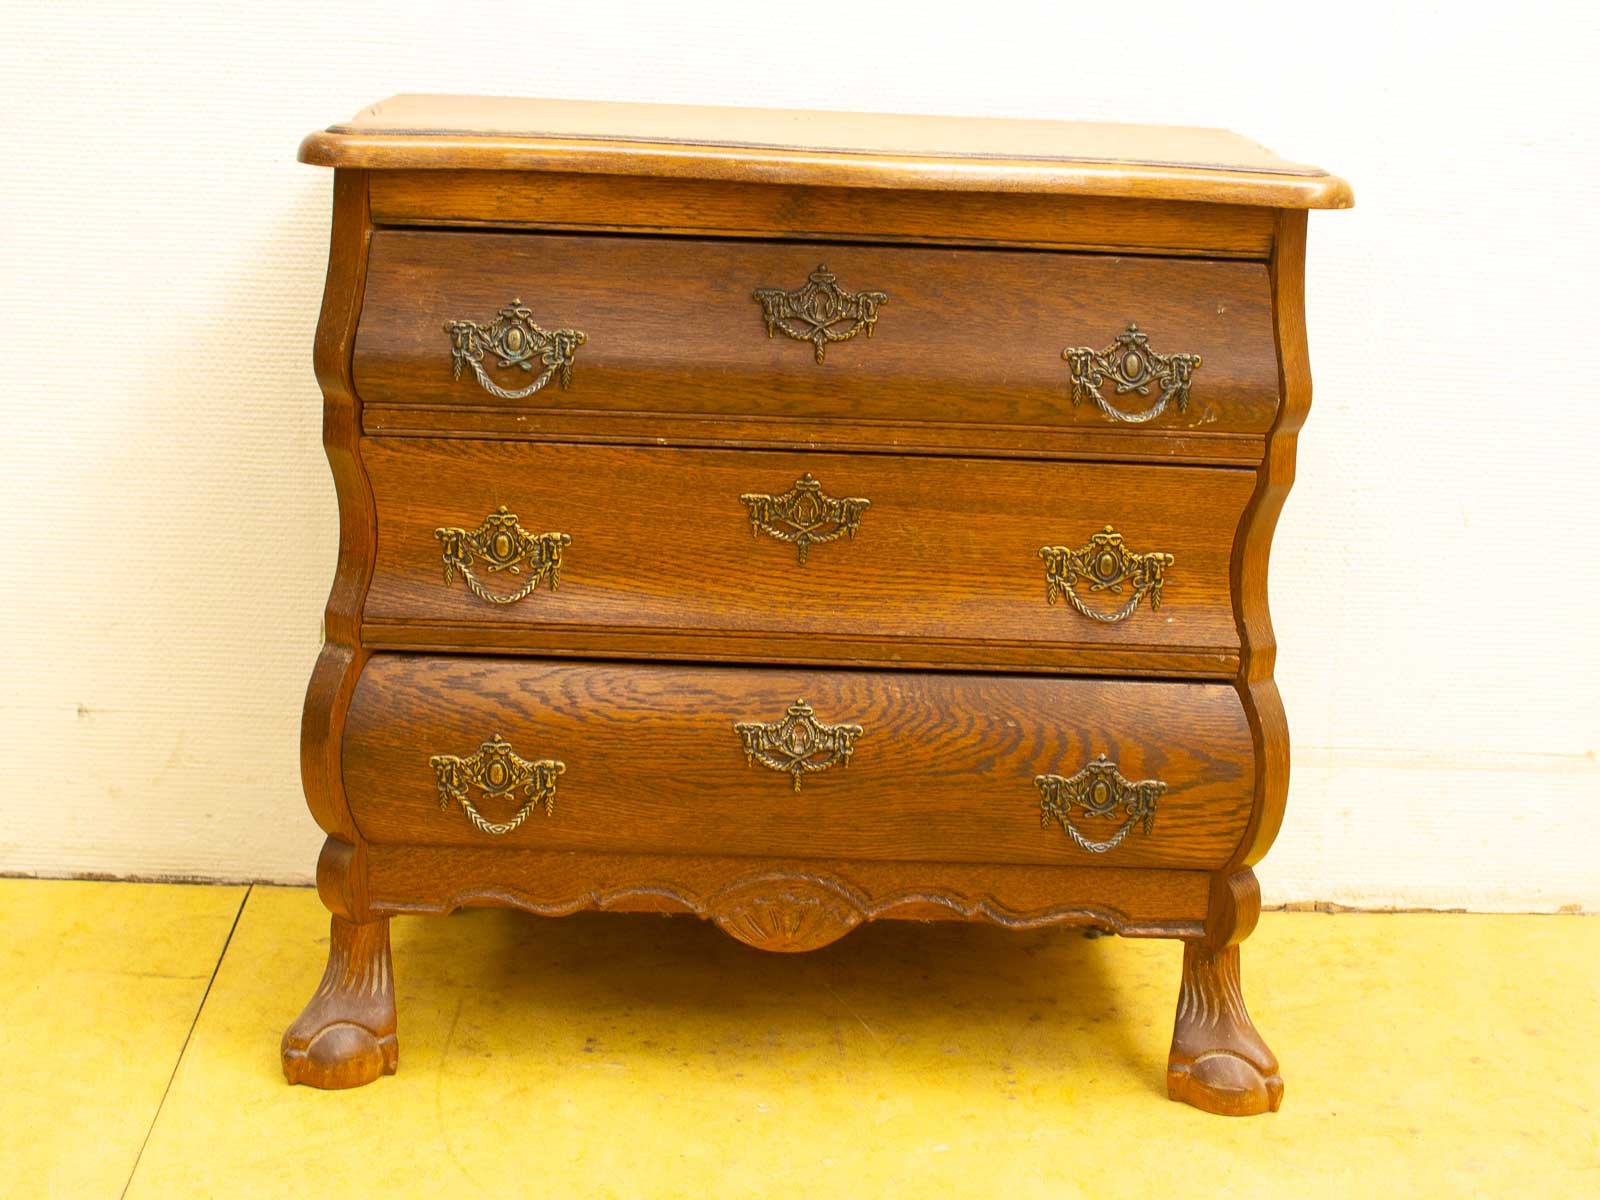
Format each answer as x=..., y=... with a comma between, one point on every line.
x=799, y=519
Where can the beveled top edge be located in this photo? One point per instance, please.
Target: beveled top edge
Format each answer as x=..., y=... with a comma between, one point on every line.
x=821, y=148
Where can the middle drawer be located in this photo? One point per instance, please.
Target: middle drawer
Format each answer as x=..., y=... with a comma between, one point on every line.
x=804, y=557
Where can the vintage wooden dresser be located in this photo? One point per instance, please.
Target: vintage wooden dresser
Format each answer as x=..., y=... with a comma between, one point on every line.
x=797, y=519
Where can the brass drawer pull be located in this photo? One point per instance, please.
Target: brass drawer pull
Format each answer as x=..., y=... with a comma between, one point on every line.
x=805, y=515
x=515, y=341
x=1100, y=791
x=797, y=743
x=1109, y=566
x=504, y=545
x=820, y=312
x=498, y=773
x=1134, y=367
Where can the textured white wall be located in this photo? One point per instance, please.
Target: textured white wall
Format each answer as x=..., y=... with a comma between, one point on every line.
x=171, y=521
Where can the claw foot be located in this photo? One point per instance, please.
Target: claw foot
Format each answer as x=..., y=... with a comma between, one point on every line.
x=1218, y=1061
x=346, y=1035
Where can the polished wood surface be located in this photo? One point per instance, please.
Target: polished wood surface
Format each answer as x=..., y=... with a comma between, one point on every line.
x=1254, y=545
x=1132, y=901
x=1218, y=1061
x=339, y=664
x=947, y=553
x=846, y=149
x=943, y=770
x=346, y=1035
x=672, y=326
x=907, y=435
x=998, y=246
x=718, y=208
x=844, y=649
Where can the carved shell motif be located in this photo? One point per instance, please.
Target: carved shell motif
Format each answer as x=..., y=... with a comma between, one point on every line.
x=785, y=914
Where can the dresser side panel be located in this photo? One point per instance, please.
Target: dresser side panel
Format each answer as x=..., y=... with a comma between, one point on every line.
x=339, y=665
x=1251, y=554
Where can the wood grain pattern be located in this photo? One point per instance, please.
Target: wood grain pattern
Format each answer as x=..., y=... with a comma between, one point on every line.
x=673, y=327
x=955, y=420
x=1254, y=546
x=428, y=117
x=1218, y=1062
x=1144, y=902
x=340, y=662
x=947, y=552
x=877, y=150
x=641, y=204
x=346, y=1037
x=943, y=772
x=1168, y=662
x=1190, y=447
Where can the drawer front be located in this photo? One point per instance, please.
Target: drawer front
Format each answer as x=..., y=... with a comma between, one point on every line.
x=795, y=550
x=849, y=764
x=765, y=330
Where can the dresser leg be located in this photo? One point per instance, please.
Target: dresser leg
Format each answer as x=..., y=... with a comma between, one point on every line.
x=1218, y=1061
x=346, y=1035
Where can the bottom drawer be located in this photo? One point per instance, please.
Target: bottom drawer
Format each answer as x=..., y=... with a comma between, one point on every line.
x=933, y=767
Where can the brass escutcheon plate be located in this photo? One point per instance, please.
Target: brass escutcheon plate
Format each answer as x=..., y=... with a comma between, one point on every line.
x=805, y=515
x=821, y=312
x=1098, y=790
x=1132, y=366
x=797, y=743
x=503, y=545
x=497, y=771
x=1108, y=566
x=516, y=343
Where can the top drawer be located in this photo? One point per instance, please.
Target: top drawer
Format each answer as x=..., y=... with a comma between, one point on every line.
x=738, y=329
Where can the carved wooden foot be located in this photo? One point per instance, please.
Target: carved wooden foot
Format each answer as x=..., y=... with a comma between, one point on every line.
x=1218, y=1061
x=346, y=1035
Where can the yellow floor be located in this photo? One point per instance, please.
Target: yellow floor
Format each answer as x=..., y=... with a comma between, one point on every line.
x=615, y=1056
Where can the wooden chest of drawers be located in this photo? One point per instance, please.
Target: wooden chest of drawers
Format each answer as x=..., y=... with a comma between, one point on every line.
x=800, y=519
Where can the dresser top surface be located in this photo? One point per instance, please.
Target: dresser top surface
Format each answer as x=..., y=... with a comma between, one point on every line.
x=836, y=149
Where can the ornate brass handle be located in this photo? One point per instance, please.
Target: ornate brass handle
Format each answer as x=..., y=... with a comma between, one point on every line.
x=1109, y=566
x=504, y=545
x=1133, y=367
x=498, y=773
x=797, y=743
x=820, y=312
x=1100, y=791
x=515, y=341
x=805, y=515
